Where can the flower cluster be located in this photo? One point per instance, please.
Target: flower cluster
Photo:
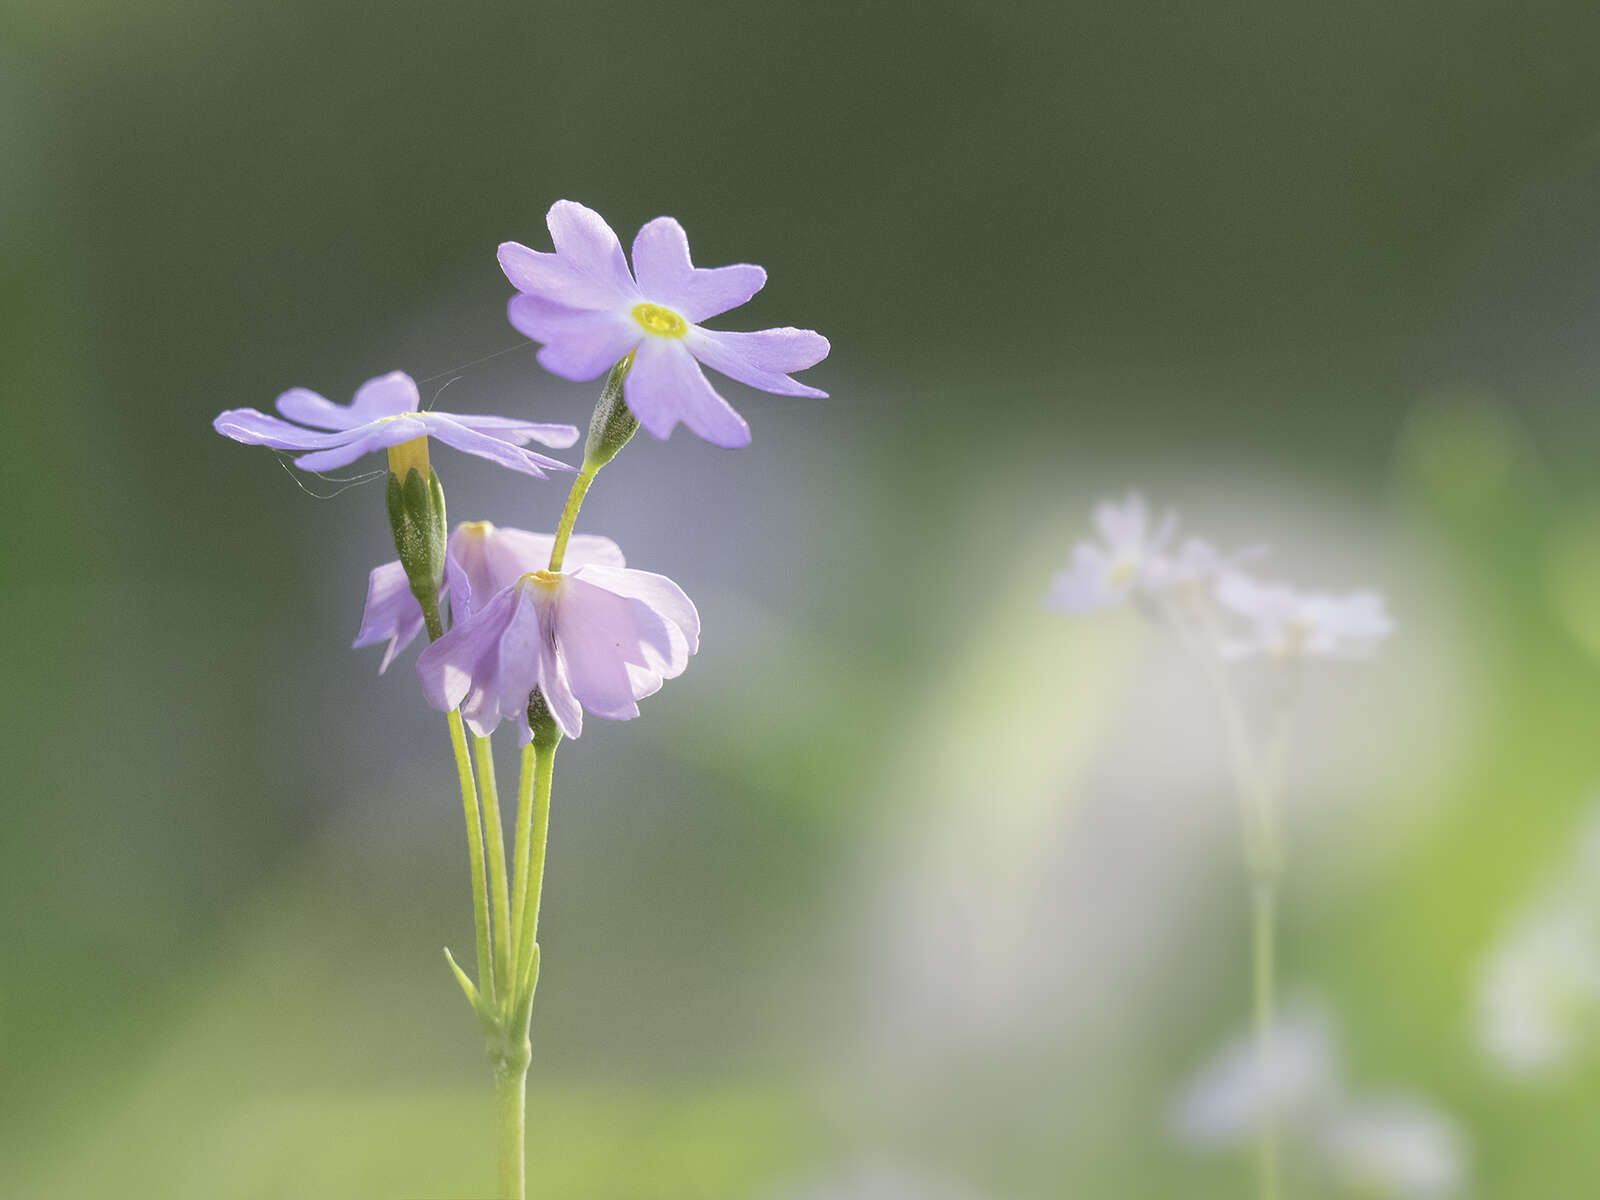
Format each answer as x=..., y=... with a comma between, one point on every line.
x=597, y=636
x=1138, y=560
x=1389, y=1146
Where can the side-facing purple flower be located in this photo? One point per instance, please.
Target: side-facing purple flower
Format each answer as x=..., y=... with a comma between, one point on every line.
x=599, y=637
x=1283, y=622
x=383, y=414
x=590, y=312
x=480, y=560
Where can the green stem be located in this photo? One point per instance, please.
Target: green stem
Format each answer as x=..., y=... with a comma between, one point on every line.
x=519, y=869
x=480, y=899
x=501, y=924
x=1263, y=905
x=510, y=1105
x=569, y=514
x=533, y=883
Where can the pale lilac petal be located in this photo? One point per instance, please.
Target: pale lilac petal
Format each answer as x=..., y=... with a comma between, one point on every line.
x=304, y=405
x=578, y=344
x=594, y=630
x=470, y=441
x=585, y=549
x=763, y=358
x=666, y=275
x=365, y=439
x=256, y=428
x=391, y=613
x=665, y=598
x=466, y=656
x=587, y=271
x=519, y=433
x=666, y=386
x=385, y=396
x=582, y=236
x=556, y=688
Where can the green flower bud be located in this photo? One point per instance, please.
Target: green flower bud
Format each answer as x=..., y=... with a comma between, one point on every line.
x=417, y=520
x=612, y=424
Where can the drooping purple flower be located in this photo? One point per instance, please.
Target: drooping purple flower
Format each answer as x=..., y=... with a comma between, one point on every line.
x=480, y=560
x=599, y=637
x=383, y=414
x=590, y=312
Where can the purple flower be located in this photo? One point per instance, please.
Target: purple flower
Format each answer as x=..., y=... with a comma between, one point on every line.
x=384, y=414
x=599, y=637
x=479, y=561
x=590, y=312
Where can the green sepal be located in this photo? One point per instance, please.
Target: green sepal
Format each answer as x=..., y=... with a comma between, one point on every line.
x=612, y=424
x=546, y=733
x=417, y=520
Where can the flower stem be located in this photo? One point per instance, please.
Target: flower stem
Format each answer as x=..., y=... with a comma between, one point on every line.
x=500, y=904
x=510, y=1106
x=480, y=899
x=519, y=869
x=1263, y=905
x=527, y=975
x=569, y=514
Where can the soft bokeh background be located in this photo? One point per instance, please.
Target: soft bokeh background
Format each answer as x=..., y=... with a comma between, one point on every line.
x=903, y=872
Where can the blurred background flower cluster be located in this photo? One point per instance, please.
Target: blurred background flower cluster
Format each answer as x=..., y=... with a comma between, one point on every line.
x=910, y=887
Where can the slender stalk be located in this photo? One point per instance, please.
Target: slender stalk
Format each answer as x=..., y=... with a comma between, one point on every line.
x=480, y=898
x=510, y=1106
x=519, y=868
x=569, y=514
x=1263, y=906
x=539, y=836
x=498, y=897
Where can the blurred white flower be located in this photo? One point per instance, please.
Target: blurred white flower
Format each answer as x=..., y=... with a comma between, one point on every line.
x=1539, y=993
x=1395, y=1148
x=1298, y=1079
x=1284, y=622
x=1127, y=561
x=877, y=1177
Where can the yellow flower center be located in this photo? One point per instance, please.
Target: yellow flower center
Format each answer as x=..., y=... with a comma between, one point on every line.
x=545, y=579
x=662, y=322
x=1123, y=572
x=477, y=529
x=409, y=456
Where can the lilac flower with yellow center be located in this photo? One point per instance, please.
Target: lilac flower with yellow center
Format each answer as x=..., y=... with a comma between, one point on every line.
x=481, y=560
x=591, y=312
x=598, y=636
x=384, y=415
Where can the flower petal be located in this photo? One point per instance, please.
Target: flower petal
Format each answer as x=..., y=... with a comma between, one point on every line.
x=304, y=405
x=256, y=428
x=363, y=439
x=595, y=631
x=465, y=657
x=470, y=441
x=587, y=270
x=579, y=344
x=762, y=358
x=518, y=433
x=666, y=386
x=663, y=597
x=385, y=396
x=391, y=613
x=666, y=274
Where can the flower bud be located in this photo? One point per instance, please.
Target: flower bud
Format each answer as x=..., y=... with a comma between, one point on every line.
x=612, y=424
x=545, y=731
x=417, y=519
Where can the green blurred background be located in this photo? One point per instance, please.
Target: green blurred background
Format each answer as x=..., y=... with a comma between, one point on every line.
x=903, y=869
